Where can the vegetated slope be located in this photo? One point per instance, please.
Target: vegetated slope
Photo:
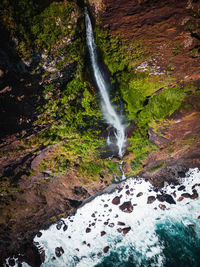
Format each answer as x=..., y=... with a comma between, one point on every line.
x=50, y=119
x=152, y=51
x=51, y=124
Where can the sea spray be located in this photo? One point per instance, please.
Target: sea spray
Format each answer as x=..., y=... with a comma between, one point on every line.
x=110, y=115
x=130, y=227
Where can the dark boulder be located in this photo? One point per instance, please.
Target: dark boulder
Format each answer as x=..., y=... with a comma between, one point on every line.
x=165, y=197
x=126, y=207
x=150, y=199
x=59, y=251
x=116, y=201
x=105, y=250
x=126, y=230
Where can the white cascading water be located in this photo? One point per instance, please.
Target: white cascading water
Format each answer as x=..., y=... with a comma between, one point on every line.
x=109, y=112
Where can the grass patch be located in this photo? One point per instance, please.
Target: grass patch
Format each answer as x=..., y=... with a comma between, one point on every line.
x=157, y=167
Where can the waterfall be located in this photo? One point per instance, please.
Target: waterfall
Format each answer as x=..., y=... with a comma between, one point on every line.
x=110, y=115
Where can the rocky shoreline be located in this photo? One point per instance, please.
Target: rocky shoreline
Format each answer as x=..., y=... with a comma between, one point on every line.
x=34, y=195
x=124, y=197
x=29, y=252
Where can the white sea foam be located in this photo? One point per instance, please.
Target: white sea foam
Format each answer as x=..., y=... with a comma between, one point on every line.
x=83, y=249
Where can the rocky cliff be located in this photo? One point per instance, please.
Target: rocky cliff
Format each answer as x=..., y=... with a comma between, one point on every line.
x=167, y=36
x=51, y=126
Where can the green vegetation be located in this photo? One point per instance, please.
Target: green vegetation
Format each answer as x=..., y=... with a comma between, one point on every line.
x=190, y=27
x=176, y=50
x=146, y=98
x=157, y=167
x=118, y=56
x=36, y=30
x=69, y=116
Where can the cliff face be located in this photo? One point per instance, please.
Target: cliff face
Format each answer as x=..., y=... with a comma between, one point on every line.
x=168, y=35
x=170, y=29
x=50, y=116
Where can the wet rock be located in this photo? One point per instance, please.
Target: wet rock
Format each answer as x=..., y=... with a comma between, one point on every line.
x=139, y=194
x=111, y=225
x=93, y=215
x=126, y=207
x=195, y=185
x=106, y=205
x=77, y=249
x=198, y=217
x=150, y=199
x=174, y=194
x=89, y=245
x=162, y=207
x=11, y=262
x=84, y=242
x=186, y=195
x=116, y=201
x=105, y=223
x=128, y=192
x=180, y=198
x=59, y=225
x=165, y=197
x=39, y=234
x=105, y=250
x=65, y=228
x=127, y=187
x=195, y=194
x=182, y=187
x=88, y=230
x=110, y=210
x=59, y=251
x=121, y=223
x=126, y=230
x=103, y=233
x=119, y=230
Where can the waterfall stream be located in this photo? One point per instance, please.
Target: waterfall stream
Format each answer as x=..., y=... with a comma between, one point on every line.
x=110, y=115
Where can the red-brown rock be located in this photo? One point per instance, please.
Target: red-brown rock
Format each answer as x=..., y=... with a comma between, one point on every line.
x=126, y=230
x=151, y=199
x=126, y=207
x=162, y=207
x=116, y=201
x=180, y=198
x=103, y=233
x=121, y=223
x=105, y=250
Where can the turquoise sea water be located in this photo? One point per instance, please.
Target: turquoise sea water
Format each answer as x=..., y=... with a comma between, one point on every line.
x=180, y=247
x=136, y=225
